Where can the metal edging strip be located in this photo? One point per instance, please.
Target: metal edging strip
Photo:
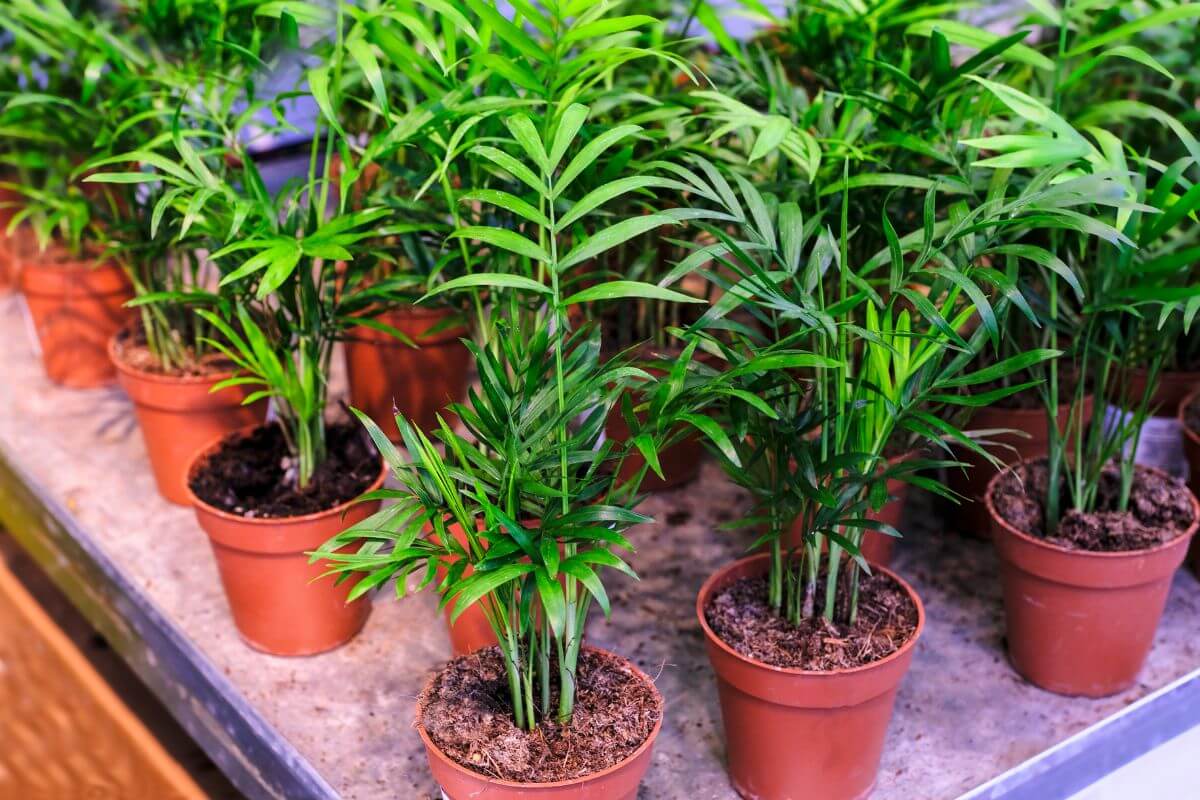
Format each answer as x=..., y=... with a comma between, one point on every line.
x=1078, y=762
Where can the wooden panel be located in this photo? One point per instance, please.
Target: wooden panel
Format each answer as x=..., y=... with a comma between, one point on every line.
x=65, y=733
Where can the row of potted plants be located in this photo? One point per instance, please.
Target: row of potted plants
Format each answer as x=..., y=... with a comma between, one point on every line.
x=841, y=255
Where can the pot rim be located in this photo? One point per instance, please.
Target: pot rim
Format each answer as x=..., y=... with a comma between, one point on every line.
x=432, y=748
x=1016, y=532
x=706, y=590
x=1181, y=413
x=159, y=378
x=199, y=504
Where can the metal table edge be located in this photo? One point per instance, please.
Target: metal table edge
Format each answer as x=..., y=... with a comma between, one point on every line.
x=259, y=761
x=1080, y=760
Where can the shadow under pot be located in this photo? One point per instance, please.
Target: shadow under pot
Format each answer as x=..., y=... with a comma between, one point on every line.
x=793, y=732
x=618, y=781
x=387, y=375
x=1081, y=622
x=179, y=414
x=1031, y=440
x=278, y=604
x=76, y=305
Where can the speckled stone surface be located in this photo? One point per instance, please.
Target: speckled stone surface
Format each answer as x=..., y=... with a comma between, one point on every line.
x=962, y=715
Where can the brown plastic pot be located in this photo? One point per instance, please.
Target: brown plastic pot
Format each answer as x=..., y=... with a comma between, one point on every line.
x=618, y=782
x=76, y=306
x=971, y=482
x=471, y=631
x=1172, y=388
x=793, y=733
x=1191, y=449
x=1081, y=623
x=277, y=605
x=681, y=461
x=877, y=548
x=181, y=415
x=387, y=374
x=10, y=244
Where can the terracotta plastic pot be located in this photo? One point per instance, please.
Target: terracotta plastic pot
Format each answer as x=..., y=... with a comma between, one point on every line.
x=277, y=605
x=387, y=374
x=680, y=462
x=471, y=631
x=179, y=416
x=10, y=244
x=1078, y=622
x=1172, y=388
x=972, y=481
x=877, y=548
x=76, y=306
x=1191, y=449
x=792, y=733
x=618, y=782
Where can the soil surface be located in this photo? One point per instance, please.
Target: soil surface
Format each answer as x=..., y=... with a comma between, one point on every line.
x=887, y=618
x=465, y=710
x=1159, y=510
x=252, y=474
x=134, y=353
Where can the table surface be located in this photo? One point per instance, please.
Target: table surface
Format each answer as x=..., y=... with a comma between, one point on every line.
x=962, y=715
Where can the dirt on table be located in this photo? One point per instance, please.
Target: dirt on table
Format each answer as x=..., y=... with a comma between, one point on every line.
x=253, y=474
x=1160, y=509
x=887, y=618
x=466, y=712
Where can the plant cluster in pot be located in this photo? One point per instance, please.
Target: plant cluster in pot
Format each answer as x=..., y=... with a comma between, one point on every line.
x=184, y=389
x=811, y=637
x=291, y=268
x=533, y=449
x=1088, y=540
x=72, y=278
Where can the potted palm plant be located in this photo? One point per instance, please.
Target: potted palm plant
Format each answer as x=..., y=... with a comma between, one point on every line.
x=1088, y=539
x=843, y=358
x=519, y=517
x=74, y=287
x=192, y=89
x=268, y=494
x=405, y=356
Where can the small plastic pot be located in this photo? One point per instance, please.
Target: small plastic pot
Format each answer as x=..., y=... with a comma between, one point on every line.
x=793, y=733
x=386, y=374
x=181, y=415
x=618, y=782
x=277, y=605
x=1191, y=449
x=1081, y=623
x=76, y=306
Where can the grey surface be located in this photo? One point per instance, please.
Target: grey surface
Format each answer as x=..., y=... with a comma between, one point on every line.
x=962, y=716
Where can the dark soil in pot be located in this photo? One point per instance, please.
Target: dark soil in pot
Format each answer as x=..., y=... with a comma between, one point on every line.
x=252, y=474
x=740, y=616
x=1160, y=509
x=466, y=713
x=131, y=348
